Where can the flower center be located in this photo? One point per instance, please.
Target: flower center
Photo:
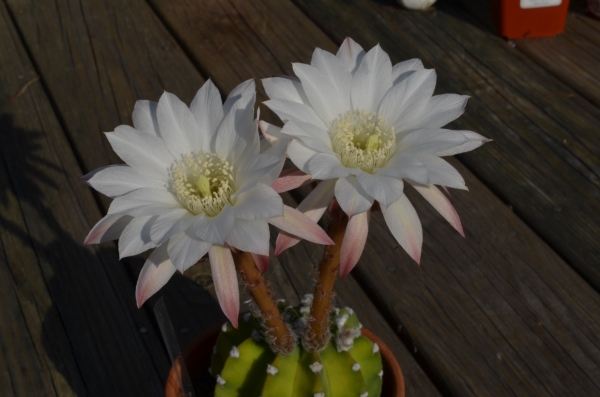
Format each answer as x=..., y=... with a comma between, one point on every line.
x=202, y=182
x=362, y=140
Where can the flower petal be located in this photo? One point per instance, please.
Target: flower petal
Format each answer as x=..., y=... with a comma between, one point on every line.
x=170, y=223
x=108, y=228
x=244, y=89
x=136, y=238
x=288, y=110
x=384, y=189
x=300, y=155
x=290, y=179
x=207, y=109
x=262, y=262
x=226, y=282
x=405, y=101
x=259, y=169
x=426, y=142
x=285, y=87
x=117, y=180
x=185, y=250
x=313, y=206
x=354, y=242
x=440, y=110
x=474, y=140
x=372, y=80
x=214, y=229
x=271, y=132
x=404, y=223
x=351, y=54
x=144, y=202
x=402, y=70
x=178, y=127
x=260, y=202
x=442, y=173
x=250, y=236
x=351, y=196
x=441, y=203
x=325, y=166
x=157, y=270
x=311, y=136
x=144, y=117
x=406, y=166
x=145, y=153
x=298, y=224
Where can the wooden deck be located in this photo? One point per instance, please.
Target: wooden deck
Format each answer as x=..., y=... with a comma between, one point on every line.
x=512, y=310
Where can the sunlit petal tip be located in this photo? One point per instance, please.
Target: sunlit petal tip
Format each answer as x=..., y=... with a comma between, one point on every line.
x=354, y=242
x=225, y=281
x=157, y=270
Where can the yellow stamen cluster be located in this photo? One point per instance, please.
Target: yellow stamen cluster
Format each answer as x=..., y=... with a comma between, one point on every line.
x=362, y=140
x=202, y=182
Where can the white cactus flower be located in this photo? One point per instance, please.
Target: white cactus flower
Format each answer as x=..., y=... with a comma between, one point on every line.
x=196, y=181
x=363, y=128
x=416, y=4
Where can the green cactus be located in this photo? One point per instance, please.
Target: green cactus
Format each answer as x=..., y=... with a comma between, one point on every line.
x=244, y=366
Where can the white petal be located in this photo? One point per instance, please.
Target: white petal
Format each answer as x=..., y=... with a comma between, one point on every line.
x=259, y=169
x=250, y=236
x=327, y=166
x=311, y=136
x=157, y=270
x=300, y=155
x=186, y=250
x=404, y=223
x=441, y=203
x=242, y=90
x=145, y=153
x=351, y=54
x=372, y=80
x=405, y=102
x=288, y=88
x=225, y=280
x=354, y=242
x=426, y=142
x=326, y=98
x=442, y=173
x=173, y=222
x=313, y=206
x=144, y=202
x=116, y=180
x=178, y=127
x=384, y=189
x=108, y=228
x=144, y=117
x=288, y=110
x=474, y=140
x=260, y=202
x=336, y=71
x=214, y=229
x=271, y=132
x=237, y=135
x=207, y=109
x=440, y=110
x=402, y=70
x=296, y=223
x=405, y=166
x=351, y=196
x=136, y=238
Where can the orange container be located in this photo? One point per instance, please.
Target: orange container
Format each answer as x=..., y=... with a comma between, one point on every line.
x=520, y=19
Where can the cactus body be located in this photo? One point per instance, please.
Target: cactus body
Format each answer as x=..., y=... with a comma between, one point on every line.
x=350, y=364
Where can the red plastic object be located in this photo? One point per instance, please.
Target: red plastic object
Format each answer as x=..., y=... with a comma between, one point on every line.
x=520, y=19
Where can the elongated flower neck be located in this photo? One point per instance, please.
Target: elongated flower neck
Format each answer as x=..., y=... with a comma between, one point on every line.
x=362, y=139
x=202, y=182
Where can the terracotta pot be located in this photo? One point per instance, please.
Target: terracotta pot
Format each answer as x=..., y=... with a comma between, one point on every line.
x=520, y=19
x=198, y=352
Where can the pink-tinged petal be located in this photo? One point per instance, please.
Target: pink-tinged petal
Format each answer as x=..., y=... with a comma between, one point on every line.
x=313, y=206
x=262, y=262
x=297, y=224
x=351, y=196
x=271, y=133
x=354, y=242
x=404, y=223
x=157, y=270
x=290, y=179
x=108, y=228
x=436, y=198
x=226, y=282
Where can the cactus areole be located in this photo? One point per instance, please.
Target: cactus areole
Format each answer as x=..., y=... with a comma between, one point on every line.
x=244, y=366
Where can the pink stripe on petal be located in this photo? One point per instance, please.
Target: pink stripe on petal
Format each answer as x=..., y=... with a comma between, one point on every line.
x=226, y=282
x=436, y=198
x=261, y=261
x=290, y=180
x=404, y=223
x=265, y=128
x=108, y=228
x=354, y=242
x=296, y=223
x=157, y=270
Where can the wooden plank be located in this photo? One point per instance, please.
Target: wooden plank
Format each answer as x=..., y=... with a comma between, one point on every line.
x=272, y=34
x=545, y=152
